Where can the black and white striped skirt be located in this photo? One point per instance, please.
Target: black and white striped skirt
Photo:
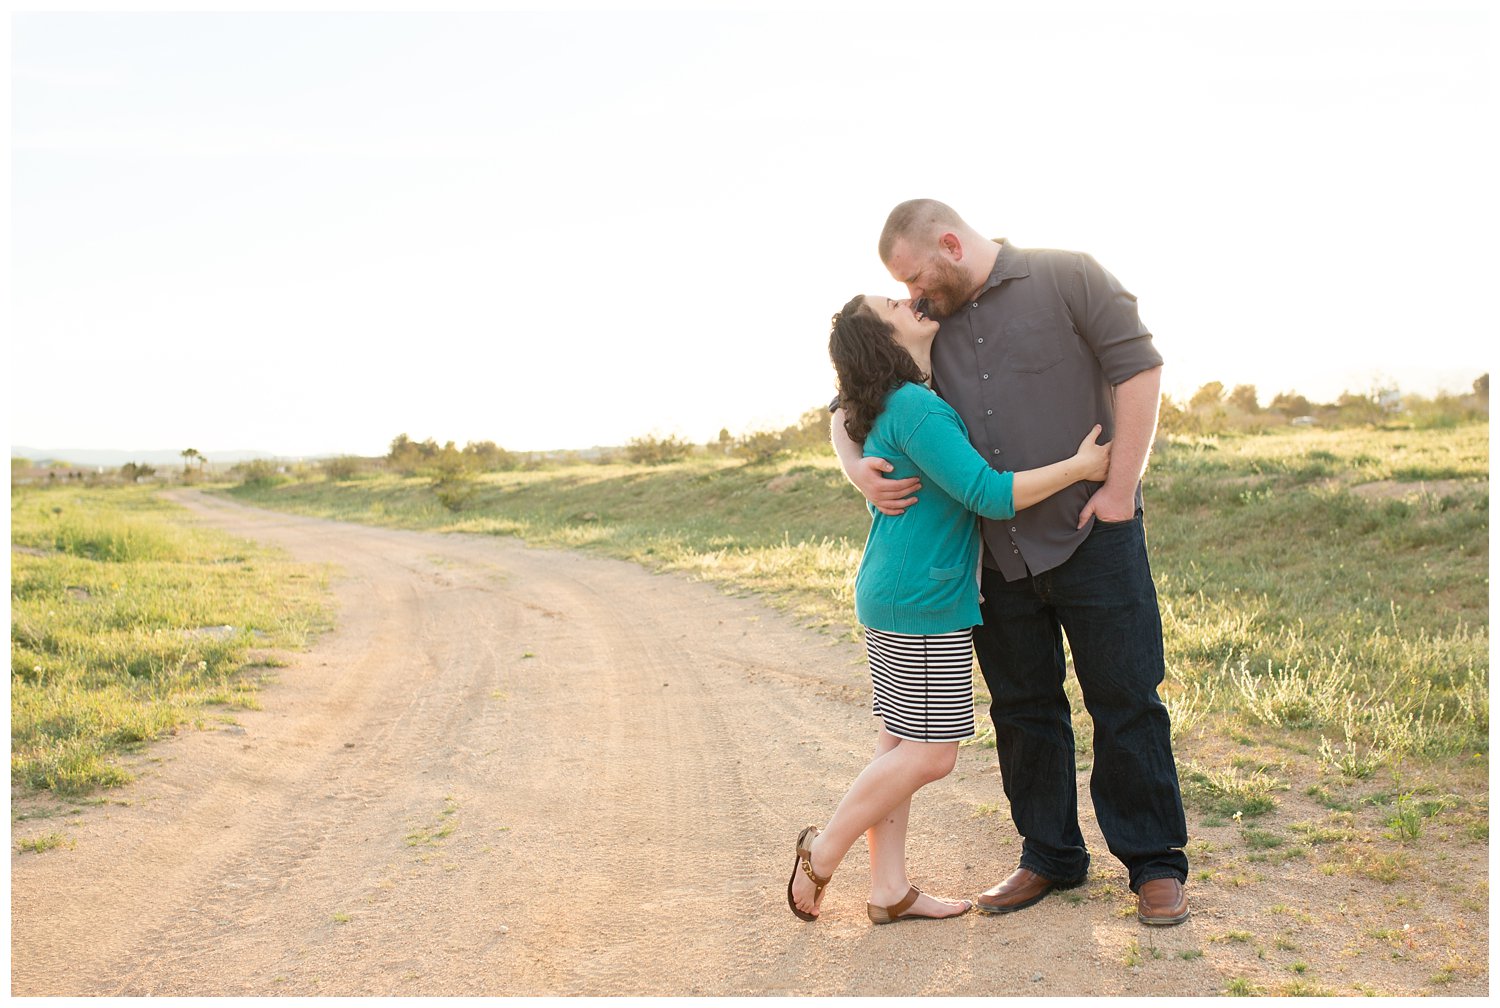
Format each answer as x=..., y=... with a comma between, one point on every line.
x=924, y=685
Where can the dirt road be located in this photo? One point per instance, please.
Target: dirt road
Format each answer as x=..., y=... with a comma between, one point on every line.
x=513, y=771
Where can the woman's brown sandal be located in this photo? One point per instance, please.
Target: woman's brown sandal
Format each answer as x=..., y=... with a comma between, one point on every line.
x=804, y=863
x=892, y=914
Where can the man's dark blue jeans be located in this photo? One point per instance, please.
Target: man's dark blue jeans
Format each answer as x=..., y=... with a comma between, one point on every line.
x=1103, y=598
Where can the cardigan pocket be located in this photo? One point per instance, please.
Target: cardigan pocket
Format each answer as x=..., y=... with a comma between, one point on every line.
x=946, y=573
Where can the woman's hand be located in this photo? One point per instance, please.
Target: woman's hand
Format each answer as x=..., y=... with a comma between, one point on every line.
x=1093, y=456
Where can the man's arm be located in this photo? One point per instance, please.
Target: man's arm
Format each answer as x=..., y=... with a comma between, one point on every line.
x=1137, y=400
x=889, y=496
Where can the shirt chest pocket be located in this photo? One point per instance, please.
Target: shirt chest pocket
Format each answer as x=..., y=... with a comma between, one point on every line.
x=1033, y=341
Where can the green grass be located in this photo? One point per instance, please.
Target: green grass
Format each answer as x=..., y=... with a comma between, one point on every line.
x=39, y=844
x=1327, y=649
x=118, y=610
x=1294, y=609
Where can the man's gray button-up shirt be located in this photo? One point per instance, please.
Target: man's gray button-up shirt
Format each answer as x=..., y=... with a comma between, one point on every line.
x=1030, y=365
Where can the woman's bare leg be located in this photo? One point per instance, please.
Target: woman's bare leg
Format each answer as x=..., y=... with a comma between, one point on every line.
x=887, y=843
x=884, y=787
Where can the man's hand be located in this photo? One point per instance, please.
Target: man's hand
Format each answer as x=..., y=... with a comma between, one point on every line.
x=1109, y=504
x=890, y=496
x=1136, y=402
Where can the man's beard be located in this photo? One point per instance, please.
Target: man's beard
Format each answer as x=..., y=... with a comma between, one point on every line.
x=948, y=291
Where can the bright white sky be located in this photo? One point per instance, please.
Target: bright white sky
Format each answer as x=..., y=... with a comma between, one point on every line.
x=307, y=233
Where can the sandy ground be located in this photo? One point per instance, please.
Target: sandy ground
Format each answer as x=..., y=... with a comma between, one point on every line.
x=513, y=771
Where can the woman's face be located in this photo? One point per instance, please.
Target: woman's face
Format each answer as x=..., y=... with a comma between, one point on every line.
x=911, y=326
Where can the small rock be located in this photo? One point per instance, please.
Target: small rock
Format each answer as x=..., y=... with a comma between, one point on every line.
x=503, y=929
x=1036, y=978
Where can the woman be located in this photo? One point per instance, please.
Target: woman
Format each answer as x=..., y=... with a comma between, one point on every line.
x=916, y=595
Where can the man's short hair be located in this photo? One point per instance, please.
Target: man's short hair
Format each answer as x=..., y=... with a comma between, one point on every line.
x=915, y=220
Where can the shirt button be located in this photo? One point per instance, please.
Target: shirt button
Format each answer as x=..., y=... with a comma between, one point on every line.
x=989, y=412
x=974, y=305
x=981, y=339
x=1015, y=551
x=984, y=376
x=1012, y=528
x=994, y=451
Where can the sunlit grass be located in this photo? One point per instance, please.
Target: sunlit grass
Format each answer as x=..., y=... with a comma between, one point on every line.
x=127, y=620
x=1348, y=628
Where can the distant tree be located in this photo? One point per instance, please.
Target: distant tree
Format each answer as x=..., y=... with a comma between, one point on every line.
x=1356, y=407
x=1208, y=396
x=1171, y=418
x=1244, y=399
x=258, y=473
x=1482, y=386
x=134, y=472
x=189, y=457
x=452, y=476
x=407, y=456
x=809, y=432
x=653, y=450
x=758, y=446
x=1292, y=404
x=342, y=467
x=489, y=457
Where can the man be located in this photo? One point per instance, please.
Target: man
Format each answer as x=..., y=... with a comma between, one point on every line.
x=1037, y=346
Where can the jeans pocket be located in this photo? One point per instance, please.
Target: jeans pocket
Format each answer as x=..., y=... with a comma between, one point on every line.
x=1101, y=523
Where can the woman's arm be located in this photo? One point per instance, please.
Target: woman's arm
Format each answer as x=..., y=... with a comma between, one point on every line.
x=1090, y=462
x=942, y=451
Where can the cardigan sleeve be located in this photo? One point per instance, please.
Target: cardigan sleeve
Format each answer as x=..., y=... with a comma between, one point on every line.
x=939, y=447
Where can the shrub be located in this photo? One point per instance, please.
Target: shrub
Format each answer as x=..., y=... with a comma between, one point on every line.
x=652, y=450
x=758, y=446
x=343, y=467
x=454, y=490
x=132, y=472
x=487, y=456
x=258, y=472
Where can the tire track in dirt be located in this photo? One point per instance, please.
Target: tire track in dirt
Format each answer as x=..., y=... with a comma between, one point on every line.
x=560, y=716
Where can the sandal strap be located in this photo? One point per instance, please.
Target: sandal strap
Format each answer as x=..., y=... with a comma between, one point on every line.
x=804, y=858
x=906, y=902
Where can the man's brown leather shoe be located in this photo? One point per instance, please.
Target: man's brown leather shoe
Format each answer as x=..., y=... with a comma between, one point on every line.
x=1020, y=890
x=1162, y=902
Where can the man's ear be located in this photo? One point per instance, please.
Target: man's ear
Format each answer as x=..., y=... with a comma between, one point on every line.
x=952, y=246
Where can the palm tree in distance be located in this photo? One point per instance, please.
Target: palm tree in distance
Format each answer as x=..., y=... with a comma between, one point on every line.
x=189, y=455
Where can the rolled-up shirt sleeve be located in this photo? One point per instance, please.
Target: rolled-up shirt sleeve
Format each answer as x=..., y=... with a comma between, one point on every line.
x=1106, y=316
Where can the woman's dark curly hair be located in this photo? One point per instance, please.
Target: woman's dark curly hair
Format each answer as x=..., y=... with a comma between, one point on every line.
x=869, y=363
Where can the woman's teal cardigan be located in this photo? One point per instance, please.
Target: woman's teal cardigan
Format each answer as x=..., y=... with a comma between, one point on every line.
x=918, y=573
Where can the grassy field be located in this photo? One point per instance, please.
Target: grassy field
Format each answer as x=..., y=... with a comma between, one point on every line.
x=127, y=621
x=1324, y=592
x=1325, y=607
x=1273, y=568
